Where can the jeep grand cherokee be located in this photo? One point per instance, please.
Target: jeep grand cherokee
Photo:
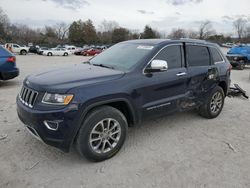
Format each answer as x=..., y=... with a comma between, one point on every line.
x=91, y=105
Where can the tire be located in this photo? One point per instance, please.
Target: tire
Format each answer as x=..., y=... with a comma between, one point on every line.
x=65, y=54
x=209, y=109
x=91, y=137
x=241, y=66
x=23, y=52
x=49, y=54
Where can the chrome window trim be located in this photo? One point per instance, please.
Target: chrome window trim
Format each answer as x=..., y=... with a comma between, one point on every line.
x=176, y=44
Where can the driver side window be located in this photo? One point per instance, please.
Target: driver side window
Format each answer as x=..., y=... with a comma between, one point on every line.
x=173, y=56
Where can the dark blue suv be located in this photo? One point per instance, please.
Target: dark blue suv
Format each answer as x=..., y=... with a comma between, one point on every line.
x=91, y=105
x=8, y=69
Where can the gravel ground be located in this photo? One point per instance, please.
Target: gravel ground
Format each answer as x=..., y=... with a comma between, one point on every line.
x=180, y=150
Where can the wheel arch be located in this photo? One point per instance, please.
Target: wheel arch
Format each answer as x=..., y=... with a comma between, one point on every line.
x=121, y=104
x=224, y=86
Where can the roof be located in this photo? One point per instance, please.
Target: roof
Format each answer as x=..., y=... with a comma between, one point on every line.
x=160, y=41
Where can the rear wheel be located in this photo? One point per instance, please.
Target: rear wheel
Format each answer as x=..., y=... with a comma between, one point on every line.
x=102, y=134
x=49, y=54
x=214, y=103
x=65, y=54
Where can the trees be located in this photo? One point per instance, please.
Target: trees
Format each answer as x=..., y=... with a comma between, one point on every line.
x=119, y=35
x=89, y=32
x=82, y=32
x=4, y=23
x=61, y=30
x=239, y=26
x=149, y=33
x=178, y=33
x=106, y=29
x=205, y=29
x=76, y=34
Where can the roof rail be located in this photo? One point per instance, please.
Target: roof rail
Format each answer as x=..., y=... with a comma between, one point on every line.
x=198, y=40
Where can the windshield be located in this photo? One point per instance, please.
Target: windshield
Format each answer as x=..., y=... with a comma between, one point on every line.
x=122, y=56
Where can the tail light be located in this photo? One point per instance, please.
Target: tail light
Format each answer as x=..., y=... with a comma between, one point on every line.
x=11, y=59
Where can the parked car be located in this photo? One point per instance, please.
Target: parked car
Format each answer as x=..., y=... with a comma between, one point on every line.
x=81, y=51
x=228, y=45
x=91, y=52
x=92, y=105
x=78, y=51
x=239, y=56
x=8, y=69
x=72, y=49
x=41, y=49
x=57, y=52
x=34, y=49
x=15, y=48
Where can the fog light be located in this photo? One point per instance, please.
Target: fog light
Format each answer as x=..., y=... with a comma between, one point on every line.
x=52, y=125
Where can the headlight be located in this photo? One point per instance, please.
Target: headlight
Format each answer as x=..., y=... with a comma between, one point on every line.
x=57, y=99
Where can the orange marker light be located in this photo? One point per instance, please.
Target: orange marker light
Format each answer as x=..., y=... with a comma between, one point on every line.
x=68, y=99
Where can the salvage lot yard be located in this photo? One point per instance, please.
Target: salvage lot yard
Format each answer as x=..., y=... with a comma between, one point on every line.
x=180, y=150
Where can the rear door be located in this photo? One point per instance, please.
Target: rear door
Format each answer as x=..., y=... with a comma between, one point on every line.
x=162, y=90
x=202, y=74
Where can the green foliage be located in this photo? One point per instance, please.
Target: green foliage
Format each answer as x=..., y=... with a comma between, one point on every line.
x=82, y=32
x=119, y=35
x=149, y=33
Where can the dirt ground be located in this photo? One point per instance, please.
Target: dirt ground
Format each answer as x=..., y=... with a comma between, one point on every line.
x=180, y=150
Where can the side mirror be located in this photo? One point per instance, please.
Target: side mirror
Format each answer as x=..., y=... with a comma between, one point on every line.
x=157, y=66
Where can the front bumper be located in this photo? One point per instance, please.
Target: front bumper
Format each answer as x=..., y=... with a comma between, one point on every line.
x=61, y=138
x=9, y=74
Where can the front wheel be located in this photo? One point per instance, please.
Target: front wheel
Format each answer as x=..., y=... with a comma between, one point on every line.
x=213, y=104
x=23, y=52
x=102, y=133
x=65, y=54
x=241, y=65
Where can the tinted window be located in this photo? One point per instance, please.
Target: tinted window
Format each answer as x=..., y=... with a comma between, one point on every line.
x=172, y=55
x=215, y=55
x=197, y=56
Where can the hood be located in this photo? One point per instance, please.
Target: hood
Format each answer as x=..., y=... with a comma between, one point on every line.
x=61, y=80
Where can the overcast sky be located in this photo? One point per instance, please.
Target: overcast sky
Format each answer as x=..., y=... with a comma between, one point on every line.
x=133, y=14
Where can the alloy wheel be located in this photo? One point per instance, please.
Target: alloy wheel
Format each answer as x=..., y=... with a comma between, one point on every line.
x=105, y=136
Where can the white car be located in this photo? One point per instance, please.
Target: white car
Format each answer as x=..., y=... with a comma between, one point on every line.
x=72, y=49
x=15, y=48
x=57, y=51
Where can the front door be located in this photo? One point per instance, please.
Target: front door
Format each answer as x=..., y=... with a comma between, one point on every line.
x=162, y=91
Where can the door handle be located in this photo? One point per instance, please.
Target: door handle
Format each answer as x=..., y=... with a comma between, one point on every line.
x=181, y=74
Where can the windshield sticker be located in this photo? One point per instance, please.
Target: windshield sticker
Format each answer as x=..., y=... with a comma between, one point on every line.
x=145, y=47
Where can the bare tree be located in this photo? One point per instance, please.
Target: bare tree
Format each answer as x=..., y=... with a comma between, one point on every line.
x=205, y=30
x=106, y=26
x=192, y=34
x=178, y=33
x=239, y=26
x=61, y=30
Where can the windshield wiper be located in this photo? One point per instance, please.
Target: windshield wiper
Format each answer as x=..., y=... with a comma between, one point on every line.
x=102, y=65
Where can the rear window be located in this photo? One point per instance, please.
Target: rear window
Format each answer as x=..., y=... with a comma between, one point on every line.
x=4, y=52
x=197, y=56
x=215, y=55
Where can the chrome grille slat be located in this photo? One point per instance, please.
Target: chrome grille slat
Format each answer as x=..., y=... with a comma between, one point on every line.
x=28, y=96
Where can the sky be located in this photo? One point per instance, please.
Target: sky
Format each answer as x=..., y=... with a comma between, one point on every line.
x=163, y=15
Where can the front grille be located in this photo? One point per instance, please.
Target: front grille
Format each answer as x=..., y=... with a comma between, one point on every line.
x=28, y=96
